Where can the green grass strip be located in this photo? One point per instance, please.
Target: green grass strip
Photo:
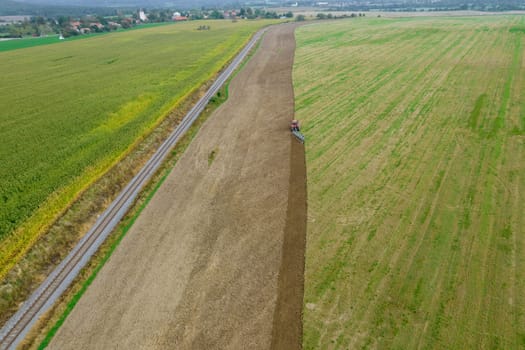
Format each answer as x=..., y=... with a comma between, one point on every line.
x=26, y=42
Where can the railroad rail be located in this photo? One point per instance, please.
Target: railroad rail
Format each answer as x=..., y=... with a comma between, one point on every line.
x=17, y=327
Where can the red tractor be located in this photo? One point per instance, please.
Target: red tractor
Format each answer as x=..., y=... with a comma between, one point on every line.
x=294, y=125
x=295, y=129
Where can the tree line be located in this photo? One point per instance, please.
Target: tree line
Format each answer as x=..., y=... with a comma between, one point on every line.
x=71, y=26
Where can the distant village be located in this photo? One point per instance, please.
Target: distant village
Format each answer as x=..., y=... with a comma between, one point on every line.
x=64, y=26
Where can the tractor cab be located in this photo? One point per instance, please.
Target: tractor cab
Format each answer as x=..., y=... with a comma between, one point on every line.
x=294, y=125
x=294, y=128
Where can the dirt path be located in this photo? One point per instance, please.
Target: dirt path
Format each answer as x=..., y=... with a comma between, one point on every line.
x=201, y=268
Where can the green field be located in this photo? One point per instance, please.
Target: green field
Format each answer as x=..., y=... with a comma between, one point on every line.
x=26, y=42
x=415, y=154
x=71, y=110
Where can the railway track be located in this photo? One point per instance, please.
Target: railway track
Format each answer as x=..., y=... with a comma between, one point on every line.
x=17, y=327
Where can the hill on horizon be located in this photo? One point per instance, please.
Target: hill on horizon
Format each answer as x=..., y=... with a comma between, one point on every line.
x=42, y=7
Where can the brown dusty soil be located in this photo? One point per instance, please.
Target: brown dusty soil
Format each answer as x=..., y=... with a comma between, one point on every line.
x=216, y=259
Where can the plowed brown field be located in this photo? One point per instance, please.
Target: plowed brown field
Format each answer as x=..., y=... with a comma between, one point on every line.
x=216, y=259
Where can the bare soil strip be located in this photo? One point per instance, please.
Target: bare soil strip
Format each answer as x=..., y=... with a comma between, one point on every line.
x=287, y=322
x=204, y=267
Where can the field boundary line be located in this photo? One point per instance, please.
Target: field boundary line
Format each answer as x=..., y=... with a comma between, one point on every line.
x=14, y=331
